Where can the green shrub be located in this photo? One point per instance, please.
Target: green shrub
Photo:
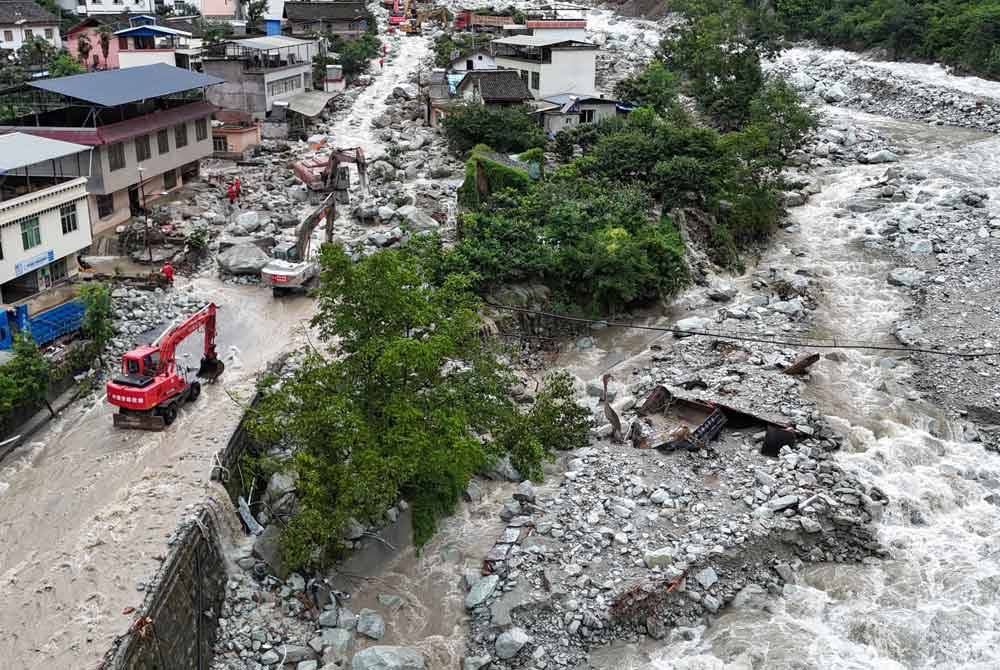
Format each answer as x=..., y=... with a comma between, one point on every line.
x=507, y=129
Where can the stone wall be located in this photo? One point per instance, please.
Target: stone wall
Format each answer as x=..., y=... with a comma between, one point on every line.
x=178, y=621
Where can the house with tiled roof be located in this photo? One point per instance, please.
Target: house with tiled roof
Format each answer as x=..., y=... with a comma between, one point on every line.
x=496, y=88
x=21, y=20
x=344, y=18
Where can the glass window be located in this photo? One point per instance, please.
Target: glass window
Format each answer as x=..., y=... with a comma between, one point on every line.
x=587, y=116
x=58, y=269
x=219, y=144
x=169, y=179
x=181, y=135
x=201, y=130
x=28, y=33
x=142, y=150
x=67, y=213
x=105, y=205
x=116, y=156
x=163, y=142
x=534, y=80
x=8, y=36
x=31, y=234
x=48, y=33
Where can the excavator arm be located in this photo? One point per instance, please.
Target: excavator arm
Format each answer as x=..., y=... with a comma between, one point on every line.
x=205, y=318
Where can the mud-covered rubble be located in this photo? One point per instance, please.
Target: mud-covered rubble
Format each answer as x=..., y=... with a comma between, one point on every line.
x=625, y=525
x=139, y=315
x=843, y=79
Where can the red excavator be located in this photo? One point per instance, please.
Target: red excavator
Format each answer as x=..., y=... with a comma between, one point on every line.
x=152, y=386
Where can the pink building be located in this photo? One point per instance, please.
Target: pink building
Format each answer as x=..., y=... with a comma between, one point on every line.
x=89, y=29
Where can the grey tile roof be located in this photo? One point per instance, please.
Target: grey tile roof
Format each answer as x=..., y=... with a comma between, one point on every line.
x=306, y=12
x=497, y=85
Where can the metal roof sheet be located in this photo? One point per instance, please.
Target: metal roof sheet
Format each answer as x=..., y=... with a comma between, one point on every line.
x=19, y=150
x=532, y=41
x=108, y=88
x=310, y=103
x=271, y=42
x=152, y=29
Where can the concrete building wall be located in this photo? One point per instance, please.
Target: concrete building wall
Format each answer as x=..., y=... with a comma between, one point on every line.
x=46, y=205
x=109, y=63
x=89, y=7
x=13, y=36
x=239, y=90
x=480, y=61
x=561, y=33
x=130, y=58
x=305, y=83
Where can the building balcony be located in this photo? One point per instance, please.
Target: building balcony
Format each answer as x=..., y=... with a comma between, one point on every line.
x=23, y=196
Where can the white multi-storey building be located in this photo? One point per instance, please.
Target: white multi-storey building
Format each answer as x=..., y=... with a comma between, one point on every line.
x=44, y=217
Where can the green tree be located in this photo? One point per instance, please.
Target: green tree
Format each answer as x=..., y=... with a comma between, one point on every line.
x=778, y=110
x=401, y=404
x=24, y=380
x=654, y=87
x=97, y=325
x=505, y=129
x=64, y=65
x=104, y=35
x=83, y=48
x=254, y=10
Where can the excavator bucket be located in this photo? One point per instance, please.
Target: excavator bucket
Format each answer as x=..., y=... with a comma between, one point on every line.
x=139, y=421
x=211, y=368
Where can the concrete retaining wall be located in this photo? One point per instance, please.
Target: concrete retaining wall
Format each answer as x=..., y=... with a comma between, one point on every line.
x=178, y=622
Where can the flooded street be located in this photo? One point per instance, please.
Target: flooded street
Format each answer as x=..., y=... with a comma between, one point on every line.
x=86, y=509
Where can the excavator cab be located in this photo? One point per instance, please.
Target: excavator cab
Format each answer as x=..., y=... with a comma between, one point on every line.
x=139, y=367
x=286, y=251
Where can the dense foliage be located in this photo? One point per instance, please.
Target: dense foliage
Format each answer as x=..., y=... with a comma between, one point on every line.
x=24, y=379
x=448, y=45
x=96, y=326
x=654, y=87
x=355, y=55
x=506, y=129
x=408, y=401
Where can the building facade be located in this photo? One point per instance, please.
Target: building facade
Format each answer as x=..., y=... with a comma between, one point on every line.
x=44, y=215
x=480, y=59
x=94, y=7
x=550, y=66
x=346, y=19
x=259, y=71
x=22, y=20
x=149, y=127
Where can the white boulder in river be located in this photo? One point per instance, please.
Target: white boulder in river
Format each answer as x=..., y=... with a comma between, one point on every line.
x=388, y=658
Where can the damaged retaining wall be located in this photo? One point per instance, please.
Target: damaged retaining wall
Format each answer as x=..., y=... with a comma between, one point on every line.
x=182, y=605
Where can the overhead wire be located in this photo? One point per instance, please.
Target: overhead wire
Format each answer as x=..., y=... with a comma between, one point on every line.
x=789, y=341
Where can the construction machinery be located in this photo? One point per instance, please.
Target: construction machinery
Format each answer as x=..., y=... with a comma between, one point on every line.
x=397, y=16
x=291, y=268
x=469, y=20
x=415, y=25
x=152, y=385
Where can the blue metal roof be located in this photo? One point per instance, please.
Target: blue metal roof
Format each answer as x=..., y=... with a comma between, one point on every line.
x=108, y=88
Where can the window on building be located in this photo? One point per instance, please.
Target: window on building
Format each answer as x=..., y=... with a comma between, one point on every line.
x=67, y=213
x=8, y=36
x=58, y=269
x=28, y=33
x=105, y=205
x=201, y=130
x=142, y=150
x=48, y=33
x=282, y=86
x=181, y=135
x=219, y=144
x=116, y=156
x=123, y=44
x=524, y=76
x=31, y=233
x=534, y=80
x=587, y=116
x=163, y=142
x=169, y=179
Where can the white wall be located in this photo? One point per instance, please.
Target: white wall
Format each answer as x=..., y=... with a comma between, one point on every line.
x=304, y=72
x=561, y=33
x=18, y=34
x=113, y=7
x=145, y=57
x=45, y=204
x=570, y=71
x=480, y=61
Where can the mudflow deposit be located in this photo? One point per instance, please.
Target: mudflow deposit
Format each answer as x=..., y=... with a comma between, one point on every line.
x=871, y=542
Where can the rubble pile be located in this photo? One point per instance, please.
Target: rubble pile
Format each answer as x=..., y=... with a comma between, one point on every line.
x=139, y=316
x=846, y=80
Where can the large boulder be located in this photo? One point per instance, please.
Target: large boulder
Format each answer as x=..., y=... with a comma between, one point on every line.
x=695, y=323
x=416, y=219
x=510, y=642
x=800, y=81
x=480, y=591
x=371, y=624
x=388, y=658
x=836, y=93
x=905, y=277
x=267, y=548
x=243, y=259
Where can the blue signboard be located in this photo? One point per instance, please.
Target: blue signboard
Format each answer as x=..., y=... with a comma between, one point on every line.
x=33, y=263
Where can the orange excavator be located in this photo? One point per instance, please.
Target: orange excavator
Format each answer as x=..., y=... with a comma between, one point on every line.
x=152, y=386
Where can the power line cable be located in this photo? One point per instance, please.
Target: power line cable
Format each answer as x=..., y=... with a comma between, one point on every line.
x=814, y=343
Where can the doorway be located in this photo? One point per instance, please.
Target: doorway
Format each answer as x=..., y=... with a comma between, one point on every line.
x=134, y=204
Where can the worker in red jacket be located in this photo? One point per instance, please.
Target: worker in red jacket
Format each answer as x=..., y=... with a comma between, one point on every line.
x=239, y=188
x=168, y=271
x=231, y=193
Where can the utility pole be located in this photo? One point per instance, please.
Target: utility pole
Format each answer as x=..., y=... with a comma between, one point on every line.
x=145, y=214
